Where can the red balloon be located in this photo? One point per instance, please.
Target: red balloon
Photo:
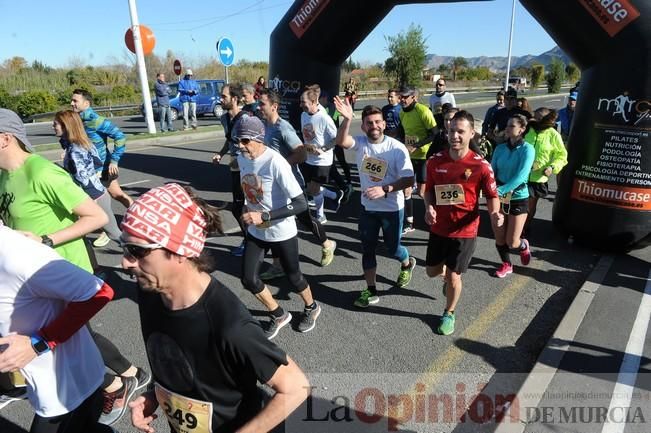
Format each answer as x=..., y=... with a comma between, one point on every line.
x=147, y=37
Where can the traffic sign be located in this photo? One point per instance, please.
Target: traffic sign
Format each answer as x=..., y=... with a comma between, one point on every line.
x=177, y=67
x=225, y=51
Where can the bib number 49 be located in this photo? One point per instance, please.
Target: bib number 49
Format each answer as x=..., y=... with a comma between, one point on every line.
x=188, y=419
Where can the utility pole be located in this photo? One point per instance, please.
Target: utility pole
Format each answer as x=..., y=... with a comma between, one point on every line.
x=508, y=63
x=140, y=64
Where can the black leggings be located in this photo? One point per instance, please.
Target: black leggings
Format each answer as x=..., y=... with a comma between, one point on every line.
x=238, y=199
x=286, y=251
x=111, y=356
x=309, y=222
x=81, y=420
x=341, y=159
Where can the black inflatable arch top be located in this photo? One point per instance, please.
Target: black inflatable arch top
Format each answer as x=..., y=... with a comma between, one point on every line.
x=604, y=198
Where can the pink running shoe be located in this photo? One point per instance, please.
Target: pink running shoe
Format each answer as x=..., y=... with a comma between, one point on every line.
x=525, y=254
x=504, y=270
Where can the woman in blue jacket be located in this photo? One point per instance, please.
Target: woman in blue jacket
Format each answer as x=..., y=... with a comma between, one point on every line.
x=511, y=164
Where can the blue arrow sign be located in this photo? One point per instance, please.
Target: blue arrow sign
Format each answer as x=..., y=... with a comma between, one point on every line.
x=225, y=51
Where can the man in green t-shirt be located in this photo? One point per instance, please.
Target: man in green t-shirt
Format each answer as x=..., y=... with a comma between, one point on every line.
x=419, y=126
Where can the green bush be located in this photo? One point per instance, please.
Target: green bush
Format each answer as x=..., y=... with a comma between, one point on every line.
x=6, y=100
x=34, y=102
x=555, y=76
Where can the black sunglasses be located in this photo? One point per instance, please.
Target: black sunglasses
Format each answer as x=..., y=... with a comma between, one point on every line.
x=138, y=251
x=243, y=141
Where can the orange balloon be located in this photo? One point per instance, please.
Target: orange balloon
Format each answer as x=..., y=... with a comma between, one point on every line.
x=147, y=37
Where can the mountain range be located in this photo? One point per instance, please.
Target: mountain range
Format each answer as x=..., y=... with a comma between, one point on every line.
x=498, y=64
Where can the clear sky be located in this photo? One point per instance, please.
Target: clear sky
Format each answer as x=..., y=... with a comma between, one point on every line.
x=57, y=32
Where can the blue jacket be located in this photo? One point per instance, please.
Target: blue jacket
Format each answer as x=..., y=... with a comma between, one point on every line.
x=162, y=90
x=565, y=120
x=99, y=129
x=82, y=165
x=189, y=89
x=512, y=167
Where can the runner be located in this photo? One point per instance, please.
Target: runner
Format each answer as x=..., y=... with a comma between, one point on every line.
x=440, y=96
x=419, y=129
x=319, y=132
x=281, y=137
x=206, y=351
x=511, y=164
x=454, y=179
x=391, y=115
x=273, y=198
x=45, y=302
x=384, y=172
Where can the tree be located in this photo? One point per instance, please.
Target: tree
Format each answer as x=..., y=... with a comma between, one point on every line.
x=15, y=64
x=443, y=69
x=457, y=64
x=537, y=75
x=555, y=76
x=408, y=53
x=573, y=73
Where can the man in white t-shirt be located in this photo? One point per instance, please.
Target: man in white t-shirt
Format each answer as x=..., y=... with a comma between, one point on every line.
x=45, y=301
x=440, y=96
x=385, y=170
x=272, y=198
x=319, y=131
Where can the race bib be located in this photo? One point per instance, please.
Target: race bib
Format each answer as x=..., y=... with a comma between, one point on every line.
x=506, y=198
x=450, y=194
x=410, y=140
x=186, y=415
x=375, y=168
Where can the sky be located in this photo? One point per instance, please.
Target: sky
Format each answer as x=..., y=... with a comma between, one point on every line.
x=65, y=32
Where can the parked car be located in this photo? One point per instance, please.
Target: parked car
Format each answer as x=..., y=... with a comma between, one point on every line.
x=208, y=100
x=518, y=83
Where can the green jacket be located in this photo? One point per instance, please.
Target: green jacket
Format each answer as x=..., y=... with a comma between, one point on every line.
x=550, y=152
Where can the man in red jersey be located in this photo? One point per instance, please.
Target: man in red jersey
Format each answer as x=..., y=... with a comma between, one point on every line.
x=454, y=178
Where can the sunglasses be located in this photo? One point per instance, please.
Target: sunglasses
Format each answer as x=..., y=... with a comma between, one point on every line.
x=138, y=251
x=243, y=141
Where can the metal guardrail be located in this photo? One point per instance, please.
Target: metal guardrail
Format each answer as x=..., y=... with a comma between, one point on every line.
x=110, y=109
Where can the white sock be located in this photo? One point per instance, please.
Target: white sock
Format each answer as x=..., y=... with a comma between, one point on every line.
x=328, y=193
x=318, y=202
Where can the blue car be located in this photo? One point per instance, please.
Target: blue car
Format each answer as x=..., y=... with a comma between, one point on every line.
x=208, y=100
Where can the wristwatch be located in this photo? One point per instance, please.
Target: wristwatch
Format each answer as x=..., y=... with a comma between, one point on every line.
x=45, y=240
x=266, y=216
x=385, y=188
x=39, y=345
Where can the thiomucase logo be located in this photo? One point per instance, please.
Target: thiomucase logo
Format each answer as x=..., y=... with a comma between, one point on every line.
x=612, y=15
x=612, y=195
x=306, y=16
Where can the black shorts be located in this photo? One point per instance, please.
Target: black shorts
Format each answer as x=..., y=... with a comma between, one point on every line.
x=420, y=169
x=454, y=252
x=516, y=207
x=538, y=189
x=316, y=173
x=107, y=178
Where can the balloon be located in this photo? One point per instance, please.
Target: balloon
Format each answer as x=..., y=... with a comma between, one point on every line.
x=147, y=37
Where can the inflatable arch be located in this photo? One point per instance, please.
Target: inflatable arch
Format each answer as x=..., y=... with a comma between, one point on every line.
x=604, y=198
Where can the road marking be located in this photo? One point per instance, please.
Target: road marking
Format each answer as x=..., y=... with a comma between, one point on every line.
x=134, y=183
x=543, y=372
x=623, y=392
x=441, y=366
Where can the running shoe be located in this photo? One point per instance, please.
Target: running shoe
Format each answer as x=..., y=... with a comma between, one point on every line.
x=446, y=325
x=16, y=394
x=310, y=202
x=322, y=219
x=404, y=277
x=334, y=204
x=101, y=241
x=348, y=193
x=276, y=324
x=408, y=228
x=143, y=378
x=308, y=318
x=116, y=402
x=504, y=270
x=525, y=254
x=272, y=273
x=366, y=298
x=238, y=251
x=328, y=254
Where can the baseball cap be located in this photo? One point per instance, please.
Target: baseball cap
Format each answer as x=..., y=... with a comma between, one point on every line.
x=188, y=72
x=511, y=93
x=407, y=91
x=248, y=127
x=574, y=95
x=11, y=124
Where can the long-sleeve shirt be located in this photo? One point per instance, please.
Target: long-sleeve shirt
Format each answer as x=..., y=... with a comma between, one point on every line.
x=550, y=152
x=83, y=165
x=511, y=166
x=99, y=130
x=188, y=89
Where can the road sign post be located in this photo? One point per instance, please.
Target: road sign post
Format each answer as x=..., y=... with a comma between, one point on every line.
x=226, y=54
x=177, y=67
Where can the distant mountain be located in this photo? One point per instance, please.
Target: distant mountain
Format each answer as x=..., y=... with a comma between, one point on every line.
x=498, y=64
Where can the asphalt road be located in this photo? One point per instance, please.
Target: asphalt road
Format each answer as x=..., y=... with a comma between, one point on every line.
x=387, y=349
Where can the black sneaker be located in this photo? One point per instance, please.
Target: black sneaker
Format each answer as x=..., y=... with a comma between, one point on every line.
x=334, y=204
x=275, y=324
x=143, y=378
x=16, y=394
x=348, y=192
x=308, y=319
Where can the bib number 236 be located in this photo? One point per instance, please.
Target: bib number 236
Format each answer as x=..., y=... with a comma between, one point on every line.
x=449, y=194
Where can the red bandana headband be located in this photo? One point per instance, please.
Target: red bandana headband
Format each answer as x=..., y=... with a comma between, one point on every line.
x=167, y=216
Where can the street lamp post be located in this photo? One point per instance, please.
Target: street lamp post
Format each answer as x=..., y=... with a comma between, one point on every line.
x=508, y=62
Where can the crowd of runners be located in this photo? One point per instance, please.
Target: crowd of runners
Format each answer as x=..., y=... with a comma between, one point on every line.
x=282, y=178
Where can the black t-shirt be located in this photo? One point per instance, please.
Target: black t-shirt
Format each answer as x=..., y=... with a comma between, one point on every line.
x=502, y=116
x=212, y=351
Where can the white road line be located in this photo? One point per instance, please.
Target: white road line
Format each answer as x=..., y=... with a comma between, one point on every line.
x=623, y=392
x=134, y=183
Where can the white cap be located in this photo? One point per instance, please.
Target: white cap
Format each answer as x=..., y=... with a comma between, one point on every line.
x=188, y=72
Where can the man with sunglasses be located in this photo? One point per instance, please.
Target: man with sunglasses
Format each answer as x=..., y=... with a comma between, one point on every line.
x=440, y=96
x=273, y=198
x=206, y=351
